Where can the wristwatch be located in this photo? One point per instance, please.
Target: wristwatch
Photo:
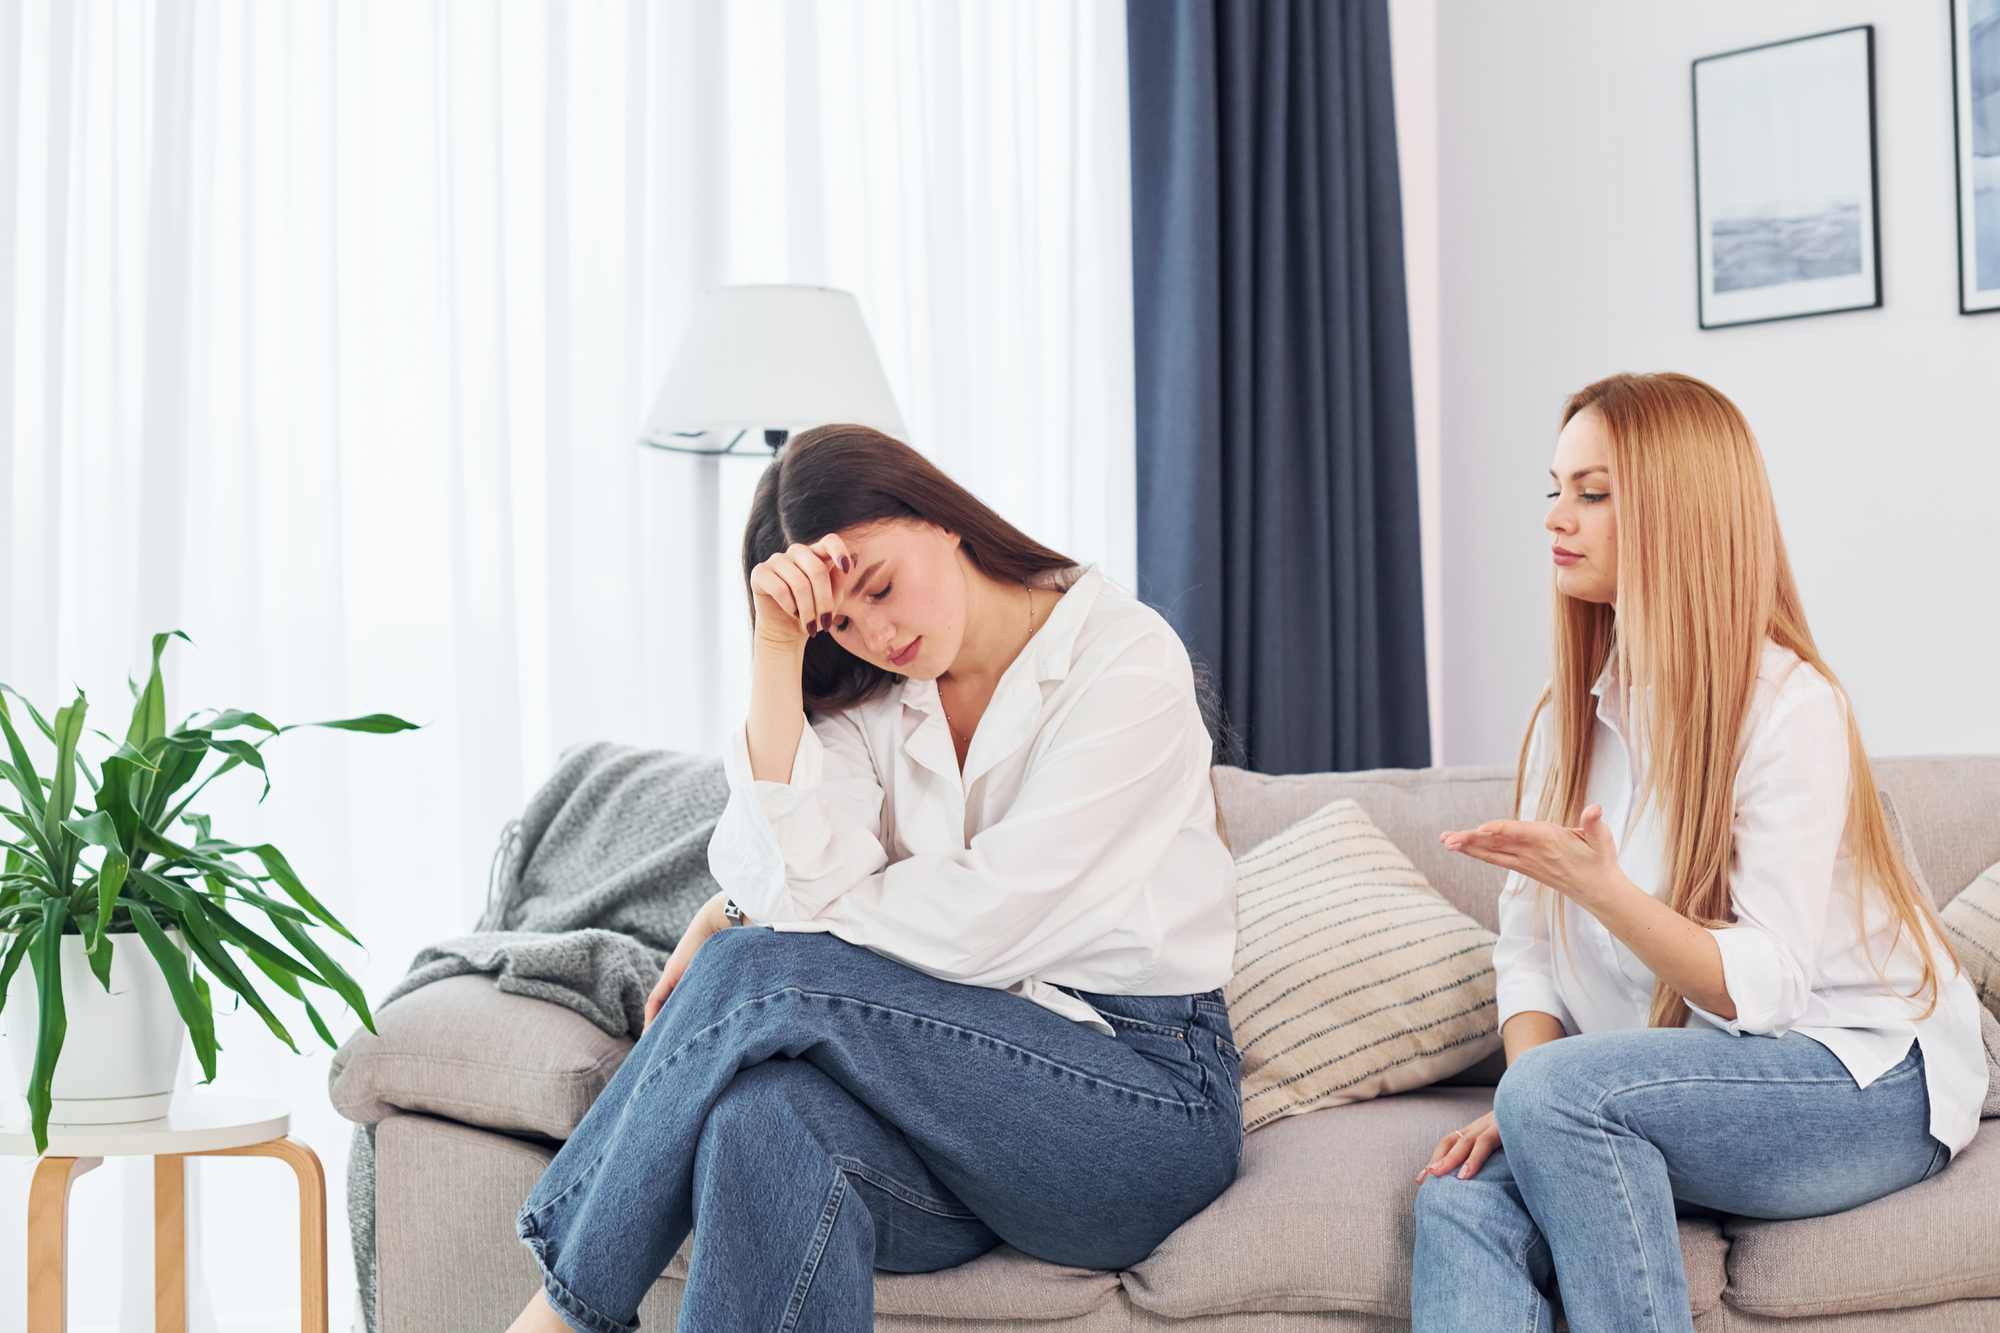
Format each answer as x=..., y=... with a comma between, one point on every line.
x=732, y=913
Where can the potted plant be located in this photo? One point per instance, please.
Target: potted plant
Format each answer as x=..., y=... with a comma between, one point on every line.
x=84, y=884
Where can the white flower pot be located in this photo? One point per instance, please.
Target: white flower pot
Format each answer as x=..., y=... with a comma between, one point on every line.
x=122, y=1050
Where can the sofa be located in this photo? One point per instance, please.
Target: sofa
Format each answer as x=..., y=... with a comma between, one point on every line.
x=472, y=1091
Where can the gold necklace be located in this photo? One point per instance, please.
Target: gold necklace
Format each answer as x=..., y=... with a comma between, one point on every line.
x=952, y=726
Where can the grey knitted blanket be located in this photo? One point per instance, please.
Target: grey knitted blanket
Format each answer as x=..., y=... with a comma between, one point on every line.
x=590, y=890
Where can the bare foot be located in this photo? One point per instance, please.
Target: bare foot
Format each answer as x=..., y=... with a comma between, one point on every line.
x=538, y=1318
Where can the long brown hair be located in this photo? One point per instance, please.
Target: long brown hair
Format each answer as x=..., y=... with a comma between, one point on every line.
x=1703, y=583
x=833, y=478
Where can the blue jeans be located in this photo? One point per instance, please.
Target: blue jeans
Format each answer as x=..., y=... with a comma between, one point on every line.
x=1605, y=1136
x=813, y=1111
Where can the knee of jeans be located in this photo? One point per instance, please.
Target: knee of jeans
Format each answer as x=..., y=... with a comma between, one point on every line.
x=1538, y=1089
x=753, y=1106
x=1434, y=1197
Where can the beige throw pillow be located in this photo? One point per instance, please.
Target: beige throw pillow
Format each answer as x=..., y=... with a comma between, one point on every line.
x=1353, y=977
x=1972, y=919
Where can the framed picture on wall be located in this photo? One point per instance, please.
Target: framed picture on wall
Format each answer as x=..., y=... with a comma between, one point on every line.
x=1785, y=198
x=1975, y=85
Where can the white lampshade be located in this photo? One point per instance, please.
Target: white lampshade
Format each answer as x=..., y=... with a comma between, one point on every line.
x=772, y=358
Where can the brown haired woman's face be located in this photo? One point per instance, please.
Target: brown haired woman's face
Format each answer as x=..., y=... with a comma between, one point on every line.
x=1582, y=517
x=902, y=606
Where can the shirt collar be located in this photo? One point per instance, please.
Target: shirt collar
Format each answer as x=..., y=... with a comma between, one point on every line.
x=1607, y=679
x=1048, y=655
x=1052, y=649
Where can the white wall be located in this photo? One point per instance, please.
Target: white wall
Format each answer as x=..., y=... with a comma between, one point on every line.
x=1567, y=252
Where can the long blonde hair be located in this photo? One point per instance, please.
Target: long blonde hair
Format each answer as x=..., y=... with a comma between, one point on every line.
x=1703, y=582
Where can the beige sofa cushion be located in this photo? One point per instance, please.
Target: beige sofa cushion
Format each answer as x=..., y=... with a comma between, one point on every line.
x=459, y=1048
x=1410, y=805
x=1352, y=978
x=1000, y=1284
x=1321, y=1217
x=1947, y=804
x=1937, y=1241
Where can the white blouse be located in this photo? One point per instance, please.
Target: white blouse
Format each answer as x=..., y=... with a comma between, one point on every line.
x=1078, y=848
x=1795, y=960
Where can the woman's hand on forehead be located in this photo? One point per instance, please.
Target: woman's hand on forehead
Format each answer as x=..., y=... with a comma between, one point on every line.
x=803, y=583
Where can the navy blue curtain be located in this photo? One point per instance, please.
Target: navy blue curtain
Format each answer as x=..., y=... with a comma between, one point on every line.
x=1277, y=461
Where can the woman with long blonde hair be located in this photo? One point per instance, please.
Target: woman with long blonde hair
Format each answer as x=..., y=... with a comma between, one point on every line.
x=1721, y=989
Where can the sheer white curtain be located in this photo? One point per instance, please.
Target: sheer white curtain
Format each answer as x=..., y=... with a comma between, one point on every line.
x=325, y=332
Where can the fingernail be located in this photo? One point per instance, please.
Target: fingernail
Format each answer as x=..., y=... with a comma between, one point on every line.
x=826, y=621
x=846, y=563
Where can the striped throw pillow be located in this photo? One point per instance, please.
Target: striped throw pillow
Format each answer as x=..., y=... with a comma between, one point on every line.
x=1353, y=977
x=1972, y=919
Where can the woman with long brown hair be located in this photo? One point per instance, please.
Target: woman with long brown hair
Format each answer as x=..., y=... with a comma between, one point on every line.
x=1721, y=989
x=982, y=917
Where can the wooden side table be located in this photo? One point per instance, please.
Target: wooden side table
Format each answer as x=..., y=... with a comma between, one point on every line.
x=197, y=1126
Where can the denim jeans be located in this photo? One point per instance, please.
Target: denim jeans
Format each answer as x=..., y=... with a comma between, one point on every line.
x=1606, y=1137
x=813, y=1111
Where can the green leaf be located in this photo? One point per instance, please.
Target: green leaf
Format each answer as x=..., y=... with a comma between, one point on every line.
x=46, y=955
x=246, y=752
x=113, y=801
x=178, y=811
x=336, y=977
x=178, y=765
x=15, y=953
x=100, y=964
x=36, y=856
x=98, y=830
x=231, y=718
x=152, y=840
x=381, y=724
x=193, y=1005
x=135, y=757
x=208, y=951
x=319, y=1024
x=62, y=790
x=281, y=871
x=22, y=772
x=173, y=896
x=149, y=709
x=270, y=906
x=255, y=945
x=41, y=722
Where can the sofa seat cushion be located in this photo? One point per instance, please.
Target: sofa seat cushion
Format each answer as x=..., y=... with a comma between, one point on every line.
x=458, y=1048
x=1000, y=1284
x=1936, y=1241
x=1322, y=1218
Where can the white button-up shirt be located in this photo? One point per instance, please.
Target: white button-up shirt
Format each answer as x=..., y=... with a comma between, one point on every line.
x=1796, y=959
x=1077, y=848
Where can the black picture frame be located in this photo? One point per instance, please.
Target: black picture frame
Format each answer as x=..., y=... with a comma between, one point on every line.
x=1787, y=186
x=1975, y=58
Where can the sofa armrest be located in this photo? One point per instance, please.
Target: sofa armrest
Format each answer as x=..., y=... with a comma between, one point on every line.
x=460, y=1049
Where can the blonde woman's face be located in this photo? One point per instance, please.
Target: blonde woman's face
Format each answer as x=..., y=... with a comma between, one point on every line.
x=1582, y=516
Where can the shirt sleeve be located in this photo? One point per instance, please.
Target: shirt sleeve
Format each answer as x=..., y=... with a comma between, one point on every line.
x=784, y=850
x=1524, y=961
x=1790, y=820
x=1119, y=776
